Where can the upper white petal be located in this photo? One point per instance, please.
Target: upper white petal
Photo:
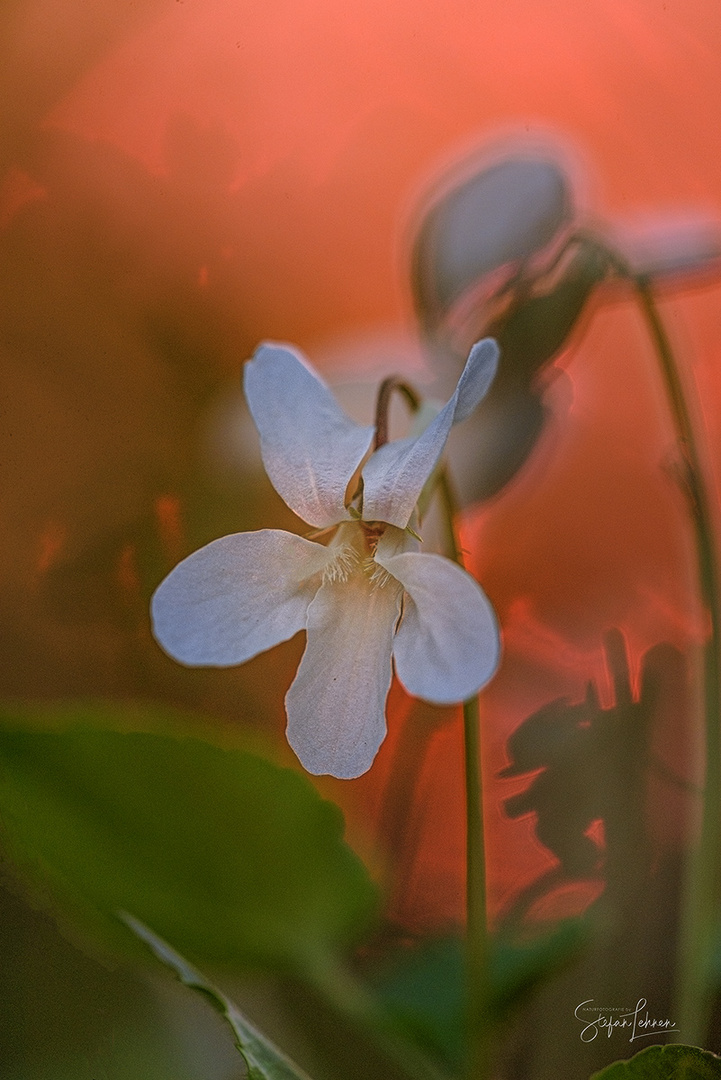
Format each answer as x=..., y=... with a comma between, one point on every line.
x=310, y=447
x=336, y=706
x=237, y=597
x=447, y=646
x=394, y=475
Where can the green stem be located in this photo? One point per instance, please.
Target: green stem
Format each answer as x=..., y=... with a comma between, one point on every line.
x=478, y=1019
x=701, y=900
x=477, y=930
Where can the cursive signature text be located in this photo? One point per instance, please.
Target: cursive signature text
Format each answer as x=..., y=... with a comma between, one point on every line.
x=638, y=1022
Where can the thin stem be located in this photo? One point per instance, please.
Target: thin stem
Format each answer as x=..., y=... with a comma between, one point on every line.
x=477, y=931
x=410, y=753
x=700, y=904
x=385, y=392
x=477, y=946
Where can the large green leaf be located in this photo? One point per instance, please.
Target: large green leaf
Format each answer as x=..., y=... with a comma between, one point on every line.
x=235, y=860
x=264, y=1060
x=665, y=1063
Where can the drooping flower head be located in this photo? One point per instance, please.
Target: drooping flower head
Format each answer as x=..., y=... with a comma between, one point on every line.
x=368, y=599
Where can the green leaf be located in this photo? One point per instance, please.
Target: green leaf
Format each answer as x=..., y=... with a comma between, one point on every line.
x=673, y=1062
x=423, y=991
x=235, y=860
x=264, y=1060
x=424, y=988
x=518, y=967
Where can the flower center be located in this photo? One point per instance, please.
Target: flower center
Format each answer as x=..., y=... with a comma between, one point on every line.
x=378, y=575
x=372, y=532
x=354, y=547
x=345, y=561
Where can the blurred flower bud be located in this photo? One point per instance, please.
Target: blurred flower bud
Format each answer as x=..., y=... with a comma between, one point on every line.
x=531, y=330
x=502, y=215
x=535, y=325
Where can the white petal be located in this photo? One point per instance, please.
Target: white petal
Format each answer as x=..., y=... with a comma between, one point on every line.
x=394, y=476
x=447, y=646
x=393, y=542
x=310, y=447
x=237, y=597
x=336, y=706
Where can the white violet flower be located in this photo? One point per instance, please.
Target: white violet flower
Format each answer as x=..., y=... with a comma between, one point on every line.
x=367, y=599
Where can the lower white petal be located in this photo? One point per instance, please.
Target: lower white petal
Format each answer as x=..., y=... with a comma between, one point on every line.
x=447, y=646
x=237, y=597
x=336, y=706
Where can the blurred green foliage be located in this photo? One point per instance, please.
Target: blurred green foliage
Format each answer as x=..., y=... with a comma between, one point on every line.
x=236, y=861
x=423, y=988
x=64, y=1016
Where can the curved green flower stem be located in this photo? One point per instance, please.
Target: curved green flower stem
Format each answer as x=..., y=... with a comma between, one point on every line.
x=701, y=900
x=346, y=995
x=478, y=1019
